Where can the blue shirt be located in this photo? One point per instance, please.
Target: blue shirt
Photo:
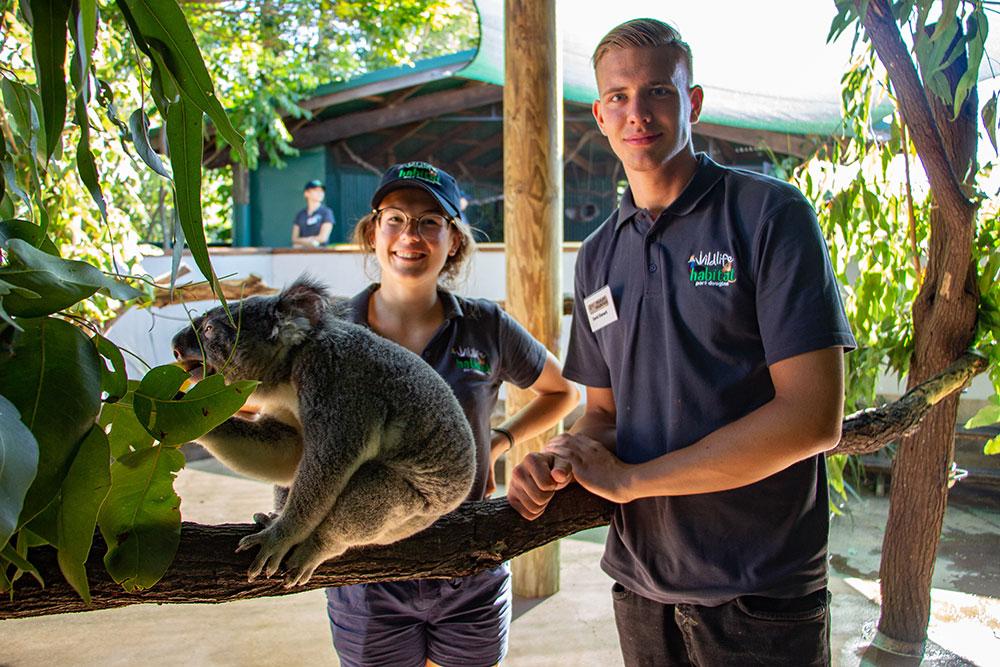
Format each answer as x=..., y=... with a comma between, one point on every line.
x=732, y=277
x=478, y=347
x=309, y=224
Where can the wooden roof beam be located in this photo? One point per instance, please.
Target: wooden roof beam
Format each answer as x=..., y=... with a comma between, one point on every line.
x=412, y=110
x=802, y=146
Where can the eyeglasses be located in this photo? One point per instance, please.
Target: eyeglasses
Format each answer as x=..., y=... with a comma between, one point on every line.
x=429, y=225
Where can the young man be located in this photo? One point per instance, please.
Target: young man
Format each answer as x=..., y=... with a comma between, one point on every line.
x=313, y=224
x=709, y=333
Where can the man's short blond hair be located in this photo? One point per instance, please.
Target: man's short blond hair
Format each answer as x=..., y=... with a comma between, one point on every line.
x=644, y=33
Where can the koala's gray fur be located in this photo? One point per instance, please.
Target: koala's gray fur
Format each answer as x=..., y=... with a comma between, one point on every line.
x=369, y=439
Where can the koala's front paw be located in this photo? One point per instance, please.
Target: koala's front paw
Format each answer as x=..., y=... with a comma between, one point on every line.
x=305, y=559
x=273, y=547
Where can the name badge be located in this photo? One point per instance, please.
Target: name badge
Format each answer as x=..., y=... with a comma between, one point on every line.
x=600, y=309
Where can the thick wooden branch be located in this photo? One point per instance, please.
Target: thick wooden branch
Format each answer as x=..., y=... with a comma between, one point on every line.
x=207, y=568
x=475, y=537
x=872, y=429
x=881, y=27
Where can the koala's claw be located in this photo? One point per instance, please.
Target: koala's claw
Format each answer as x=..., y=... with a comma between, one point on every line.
x=264, y=519
x=272, y=551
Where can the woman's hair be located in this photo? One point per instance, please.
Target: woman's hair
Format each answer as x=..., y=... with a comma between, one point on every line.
x=456, y=267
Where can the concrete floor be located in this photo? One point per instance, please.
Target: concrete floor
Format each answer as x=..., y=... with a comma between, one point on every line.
x=573, y=627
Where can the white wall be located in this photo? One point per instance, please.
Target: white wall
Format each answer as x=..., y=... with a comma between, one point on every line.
x=147, y=332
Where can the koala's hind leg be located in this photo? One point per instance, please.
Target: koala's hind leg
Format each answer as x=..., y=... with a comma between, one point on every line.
x=378, y=506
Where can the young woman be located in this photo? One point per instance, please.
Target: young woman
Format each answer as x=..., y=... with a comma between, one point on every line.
x=420, y=240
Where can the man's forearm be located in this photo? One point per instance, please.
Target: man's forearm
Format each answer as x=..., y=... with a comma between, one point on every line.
x=764, y=442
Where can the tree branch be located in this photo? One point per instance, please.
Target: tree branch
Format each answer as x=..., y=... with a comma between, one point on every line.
x=869, y=430
x=882, y=29
x=207, y=568
x=475, y=537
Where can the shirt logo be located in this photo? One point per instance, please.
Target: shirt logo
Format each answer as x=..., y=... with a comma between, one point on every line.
x=712, y=269
x=470, y=359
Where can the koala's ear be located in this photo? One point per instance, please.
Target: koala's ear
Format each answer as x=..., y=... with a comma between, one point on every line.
x=304, y=298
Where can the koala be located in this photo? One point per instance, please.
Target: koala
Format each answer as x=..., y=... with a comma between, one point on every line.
x=370, y=441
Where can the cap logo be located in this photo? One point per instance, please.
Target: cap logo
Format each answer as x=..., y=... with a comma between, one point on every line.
x=419, y=170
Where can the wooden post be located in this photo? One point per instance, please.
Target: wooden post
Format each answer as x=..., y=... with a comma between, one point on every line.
x=241, y=206
x=533, y=217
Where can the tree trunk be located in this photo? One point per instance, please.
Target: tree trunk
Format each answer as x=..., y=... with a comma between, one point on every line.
x=944, y=319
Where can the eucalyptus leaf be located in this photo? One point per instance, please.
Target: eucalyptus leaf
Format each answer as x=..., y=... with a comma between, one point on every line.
x=52, y=376
x=62, y=282
x=114, y=381
x=174, y=421
x=208, y=404
x=992, y=446
x=126, y=434
x=989, y=414
x=989, y=116
x=83, y=492
x=84, y=31
x=140, y=519
x=18, y=465
x=85, y=164
x=185, y=143
x=10, y=179
x=164, y=28
x=21, y=563
x=26, y=231
x=49, y=18
x=138, y=124
x=18, y=106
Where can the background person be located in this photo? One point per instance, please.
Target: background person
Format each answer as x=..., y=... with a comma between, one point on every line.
x=709, y=332
x=419, y=239
x=313, y=224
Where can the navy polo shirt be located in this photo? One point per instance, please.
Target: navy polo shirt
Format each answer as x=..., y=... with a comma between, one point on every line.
x=309, y=223
x=478, y=347
x=733, y=276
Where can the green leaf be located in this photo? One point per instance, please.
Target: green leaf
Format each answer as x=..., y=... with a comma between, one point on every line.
x=26, y=231
x=138, y=124
x=18, y=105
x=989, y=414
x=992, y=446
x=989, y=116
x=975, y=38
x=126, y=433
x=44, y=528
x=10, y=178
x=84, y=30
x=87, y=485
x=62, y=282
x=49, y=44
x=18, y=465
x=5, y=289
x=174, y=422
x=52, y=376
x=184, y=141
x=114, y=382
x=164, y=29
x=949, y=12
x=140, y=519
x=21, y=563
x=85, y=164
